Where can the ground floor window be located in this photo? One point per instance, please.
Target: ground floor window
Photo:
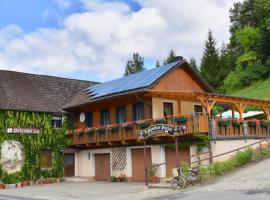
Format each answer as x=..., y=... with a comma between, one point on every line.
x=46, y=159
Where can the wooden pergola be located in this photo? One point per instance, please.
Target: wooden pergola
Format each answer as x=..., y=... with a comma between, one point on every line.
x=208, y=100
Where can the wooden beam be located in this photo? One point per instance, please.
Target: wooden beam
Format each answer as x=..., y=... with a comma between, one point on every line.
x=241, y=108
x=266, y=111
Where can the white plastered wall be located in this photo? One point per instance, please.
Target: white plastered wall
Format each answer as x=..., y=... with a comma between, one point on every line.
x=157, y=106
x=85, y=163
x=158, y=157
x=223, y=146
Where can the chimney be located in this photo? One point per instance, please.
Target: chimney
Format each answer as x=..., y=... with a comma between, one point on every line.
x=178, y=58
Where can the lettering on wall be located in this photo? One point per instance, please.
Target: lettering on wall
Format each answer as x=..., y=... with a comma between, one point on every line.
x=23, y=130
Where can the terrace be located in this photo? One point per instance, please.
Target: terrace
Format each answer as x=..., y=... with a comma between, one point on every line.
x=190, y=125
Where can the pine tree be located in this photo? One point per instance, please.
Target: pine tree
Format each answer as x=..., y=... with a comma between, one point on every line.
x=135, y=65
x=157, y=64
x=193, y=64
x=170, y=58
x=210, y=61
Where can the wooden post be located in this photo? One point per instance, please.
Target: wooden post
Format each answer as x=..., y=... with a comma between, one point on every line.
x=233, y=115
x=145, y=164
x=176, y=151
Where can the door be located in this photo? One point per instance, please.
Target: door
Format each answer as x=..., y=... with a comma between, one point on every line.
x=102, y=167
x=69, y=165
x=137, y=156
x=170, y=157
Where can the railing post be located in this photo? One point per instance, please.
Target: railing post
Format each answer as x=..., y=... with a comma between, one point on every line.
x=212, y=129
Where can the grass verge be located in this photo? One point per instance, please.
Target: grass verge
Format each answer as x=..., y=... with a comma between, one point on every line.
x=240, y=159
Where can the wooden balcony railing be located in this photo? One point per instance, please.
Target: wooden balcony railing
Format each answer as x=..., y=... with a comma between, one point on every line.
x=229, y=127
x=197, y=123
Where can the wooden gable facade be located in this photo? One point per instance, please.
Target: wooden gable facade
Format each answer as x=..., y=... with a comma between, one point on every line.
x=179, y=79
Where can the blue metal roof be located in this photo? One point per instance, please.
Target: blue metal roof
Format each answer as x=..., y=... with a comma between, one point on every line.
x=132, y=82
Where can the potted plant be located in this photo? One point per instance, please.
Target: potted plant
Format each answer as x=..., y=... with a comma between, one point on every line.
x=101, y=130
x=236, y=123
x=2, y=186
x=118, y=179
x=114, y=128
x=161, y=121
x=182, y=120
x=112, y=179
x=90, y=131
x=128, y=125
x=25, y=183
x=265, y=123
x=143, y=124
x=252, y=124
x=224, y=123
x=123, y=178
x=153, y=173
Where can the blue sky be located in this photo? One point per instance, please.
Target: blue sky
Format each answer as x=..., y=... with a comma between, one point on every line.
x=93, y=39
x=29, y=14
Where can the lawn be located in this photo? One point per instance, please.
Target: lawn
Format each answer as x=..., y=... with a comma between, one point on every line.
x=259, y=90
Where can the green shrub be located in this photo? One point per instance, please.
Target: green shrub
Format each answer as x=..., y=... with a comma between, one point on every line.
x=258, y=155
x=243, y=157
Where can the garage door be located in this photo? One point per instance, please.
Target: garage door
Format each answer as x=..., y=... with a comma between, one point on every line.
x=102, y=167
x=170, y=156
x=137, y=156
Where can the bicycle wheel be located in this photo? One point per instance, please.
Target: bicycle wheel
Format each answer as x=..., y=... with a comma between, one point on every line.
x=182, y=182
x=174, y=184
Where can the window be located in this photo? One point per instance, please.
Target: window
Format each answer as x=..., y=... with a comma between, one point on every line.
x=46, y=159
x=57, y=121
x=168, y=109
x=198, y=109
x=88, y=120
x=120, y=114
x=105, y=117
x=138, y=111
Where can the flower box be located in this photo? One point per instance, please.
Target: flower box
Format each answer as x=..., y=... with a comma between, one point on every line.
x=101, y=130
x=265, y=124
x=143, y=125
x=236, y=124
x=251, y=124
x=114, y=128
x=90, y=131
x=160, y=121
x=180, y=120
x=128, y=126
x=224, y=123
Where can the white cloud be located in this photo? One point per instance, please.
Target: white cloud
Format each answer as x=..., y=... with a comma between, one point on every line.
x=101, y=39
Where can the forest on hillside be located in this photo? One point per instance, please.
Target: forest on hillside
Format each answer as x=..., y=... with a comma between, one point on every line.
x=243, y=61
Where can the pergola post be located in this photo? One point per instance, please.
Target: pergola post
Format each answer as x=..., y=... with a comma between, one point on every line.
x=266, y=111
x=176, y=151
x=241, y=109
x=145, y=163
x=233, y=114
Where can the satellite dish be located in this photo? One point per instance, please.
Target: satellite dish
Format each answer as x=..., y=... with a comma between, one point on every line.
x=82, y=117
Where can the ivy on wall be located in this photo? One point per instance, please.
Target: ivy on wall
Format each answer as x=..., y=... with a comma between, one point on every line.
x=33, y=144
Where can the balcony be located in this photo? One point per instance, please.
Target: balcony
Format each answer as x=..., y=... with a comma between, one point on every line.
x=127, y=133
x=242, y=128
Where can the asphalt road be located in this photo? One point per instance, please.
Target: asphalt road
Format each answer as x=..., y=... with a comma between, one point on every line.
x=11, y=197
x=221, y=195
x=248, y=183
